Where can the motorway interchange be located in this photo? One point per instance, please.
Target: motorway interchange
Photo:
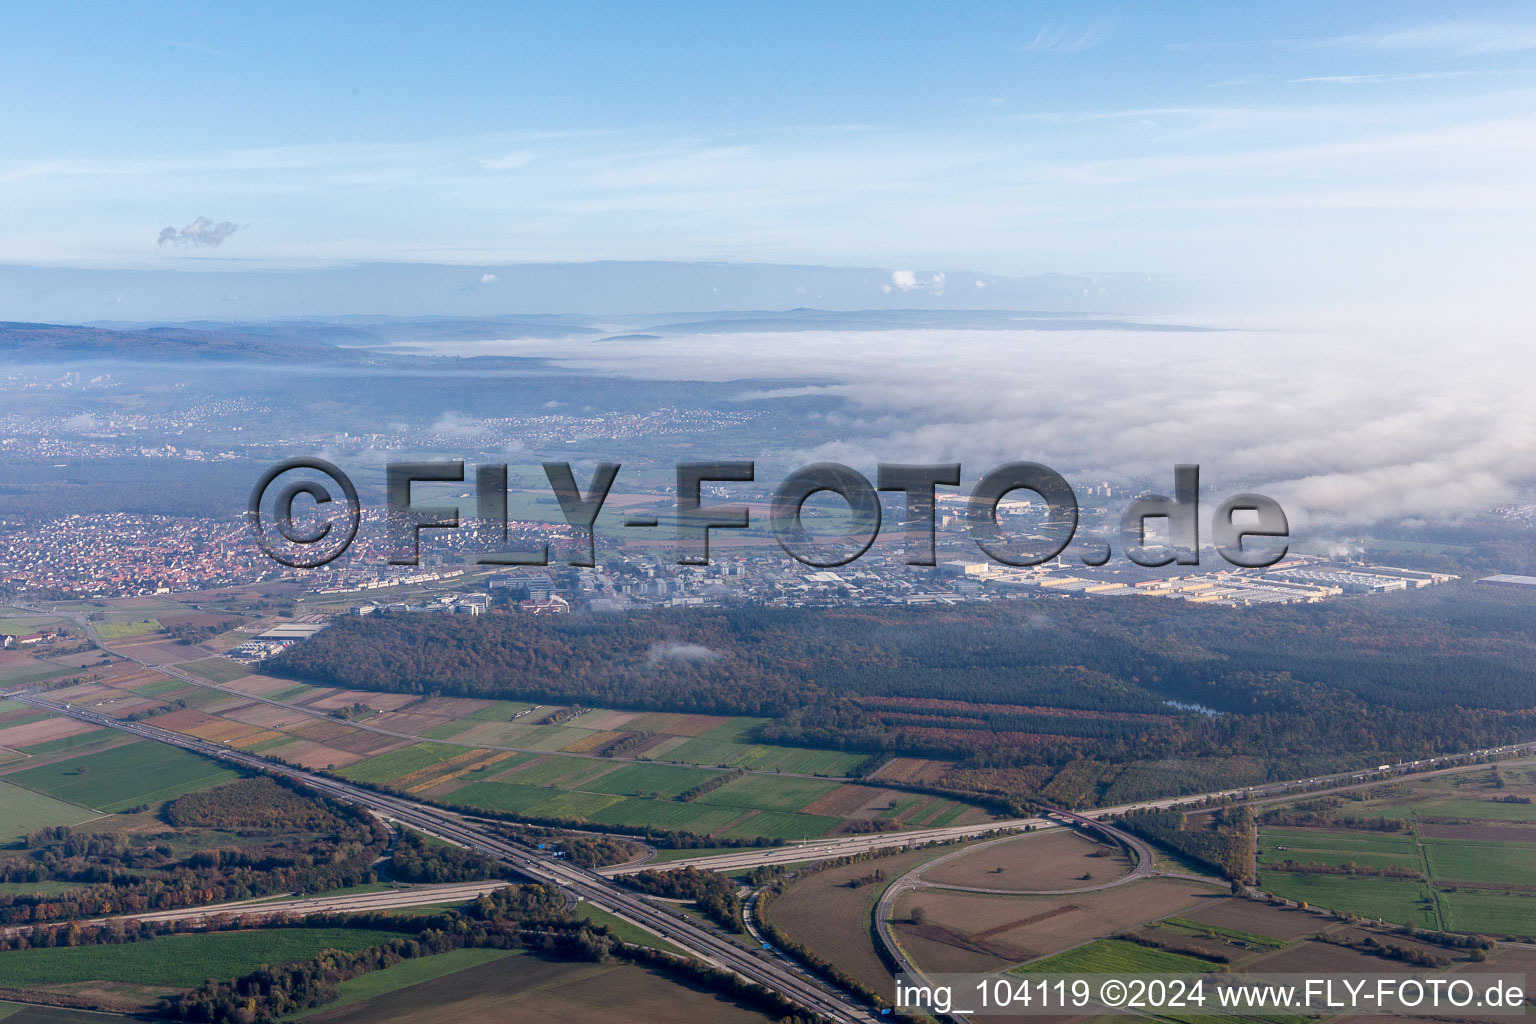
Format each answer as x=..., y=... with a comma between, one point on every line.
x=765, y=967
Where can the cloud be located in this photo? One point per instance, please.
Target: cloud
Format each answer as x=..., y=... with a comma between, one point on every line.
x=1411, y=76
x=456, y=424
x=489, y=279
x=1054, y=39
x=675, y=650
x=507, y=161
x=200, y=232
x=908, y=280
x=1463, y=38
x=1343, y=425
x=83, y=423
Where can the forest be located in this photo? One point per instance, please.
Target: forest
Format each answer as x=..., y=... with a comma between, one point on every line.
x=1294, y=689
x=251, y=837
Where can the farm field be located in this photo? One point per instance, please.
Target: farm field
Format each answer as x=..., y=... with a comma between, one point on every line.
x=28, y=1013
x=1489, y=912
x=405, y=974
x=964, y=932
x=1401, y=901
x=1115, y=956
x=21, y=670
x=1467, y=837
x=533, y=988
x=135, y=773
x=1057, y=859
x=639, y=795
x=823, y=913
x=219, y=670
x=506, y=756
x=22, y=811
x=177, y=961
x=120, y=630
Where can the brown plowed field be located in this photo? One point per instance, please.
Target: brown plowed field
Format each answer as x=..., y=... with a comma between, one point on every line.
x=1049, y=924
x=1047, y=860
x=822, y=913
x=1257, y=918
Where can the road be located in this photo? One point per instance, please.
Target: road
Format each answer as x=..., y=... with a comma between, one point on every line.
x=352, y=903
x=1142, y=866
x=826, y=849
x=576, y=882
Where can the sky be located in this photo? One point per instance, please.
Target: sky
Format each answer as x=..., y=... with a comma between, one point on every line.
x=1373, y=156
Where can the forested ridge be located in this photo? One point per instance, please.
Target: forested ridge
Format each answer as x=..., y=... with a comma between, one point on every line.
x=1047, y=681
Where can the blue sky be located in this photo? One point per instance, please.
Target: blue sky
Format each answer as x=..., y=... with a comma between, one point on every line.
x=1297, y=149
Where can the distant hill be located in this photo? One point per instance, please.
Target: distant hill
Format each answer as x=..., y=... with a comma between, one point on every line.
x=221, y=291
x=59, y=342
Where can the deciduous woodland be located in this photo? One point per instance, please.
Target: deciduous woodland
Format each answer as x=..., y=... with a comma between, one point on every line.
x=1189, y=697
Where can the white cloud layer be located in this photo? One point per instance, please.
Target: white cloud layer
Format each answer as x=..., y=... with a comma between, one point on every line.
x=1343, y=426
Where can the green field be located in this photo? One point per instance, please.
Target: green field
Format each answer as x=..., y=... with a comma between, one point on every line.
x=119, y=630
x=566, y=772
x=219, y=670
x=405, y=974
x=573, y=803
x=650, y=780
x=1388, y=899
x=782, y=825
x=23, y=811
x=1454, y=860
x=178, y=961
x=499, y=711
x=159, y=687
x=293, y=693
x=500, y=796
x=667, y=814
x=712, y=752
x=769, y=793
x=1458, y=807
x=1321, y=846
x=26, y=622
x=79, y=741
x=603, y=791
x=388, y=767
x=448, y=730
x=1112, y=956
x=34, y=672
x=1490, y=913
x=136, y=773
x=1451, y=864
x=1326, y=839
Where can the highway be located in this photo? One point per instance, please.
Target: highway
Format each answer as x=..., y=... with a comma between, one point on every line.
x=266, y=906
x=578, y=883
x=844, y=846
x=1142, y=866
x=826, y=849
